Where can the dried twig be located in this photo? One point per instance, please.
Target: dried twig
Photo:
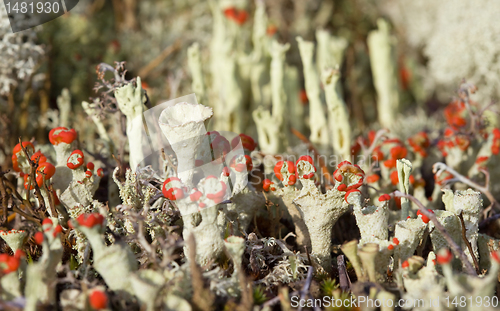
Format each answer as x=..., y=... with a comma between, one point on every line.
x=454, y=246
x=304, y=292
x=438, y=168
x=144, y=71
x=32, y=177
x=345, y=282
x=467, y=243
x=203, y=299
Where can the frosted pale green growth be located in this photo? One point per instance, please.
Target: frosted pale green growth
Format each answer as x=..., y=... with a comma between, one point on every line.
x=404, y=168
x=235, y=247
x=382, y=61
x=469, y=203
x=64, y=106
x=183, y=126
x=350, y=249
x=115, y=263
x=194, y=64
x=381, y=259
x=425, y=283
x=41, y=275
x=367, y=254
x=338, y=117
x=452, y=225
x=409, y=233
x=131, y=101
x=320, y=212
x=471, y=286
x=271, y=125
x=330, y=52
x=372, y=222
x=14, y=238
x=146, y=285
x=486, y=245
x=317, y=121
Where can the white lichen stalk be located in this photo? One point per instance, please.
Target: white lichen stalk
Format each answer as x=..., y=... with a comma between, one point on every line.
x=41, y=275
x=468, y=203
x=271, y=125
x=409, y=232
x=404, y=168
x=317, y=121
x=381, y=46
x=320, y=212
x=338, y=117
x=194, y=64
x=131, y=101
x=183, y=126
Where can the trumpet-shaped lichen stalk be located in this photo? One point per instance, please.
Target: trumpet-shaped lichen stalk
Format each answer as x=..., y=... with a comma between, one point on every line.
x=372, y=221
x=320, y=211
x=183, y=126
x=14, y=238
x=404, y=168
x=381, y=45
x=115, y=263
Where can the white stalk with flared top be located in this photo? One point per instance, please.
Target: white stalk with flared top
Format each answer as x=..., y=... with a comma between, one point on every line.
x=183, y=126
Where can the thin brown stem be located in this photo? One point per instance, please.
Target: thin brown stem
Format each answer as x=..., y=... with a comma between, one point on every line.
x=440, y=167
x=467, y=243
x=32, y=178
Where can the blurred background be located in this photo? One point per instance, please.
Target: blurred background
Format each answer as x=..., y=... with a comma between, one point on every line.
x=438, y=43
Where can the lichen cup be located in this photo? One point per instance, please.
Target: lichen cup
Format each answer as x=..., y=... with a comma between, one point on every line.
x=183, y=126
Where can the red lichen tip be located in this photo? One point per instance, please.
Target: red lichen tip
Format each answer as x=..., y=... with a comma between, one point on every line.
x=58, y=229
x=237, y=16
x=348, y=193
x=495, y=256
x=62, y=135
x=44, y=172
x=395, y=241
x=75, y=160
x=11, y=263
x=444, y=256
x=100, y=172
x=47, y=221
x=90, y=166
x=372, y=178
x=405, y=264
x=38, y=238
x=90, y=220
x=218, y=196
x=225, y=171
x=425, y=219
x=305, y=158
x=88, y=174
x=98, y=300
x=268, y=185
x=390, y=247
x=196, y=195
x=39, y=156
x=384, y=197
x=247, y=142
